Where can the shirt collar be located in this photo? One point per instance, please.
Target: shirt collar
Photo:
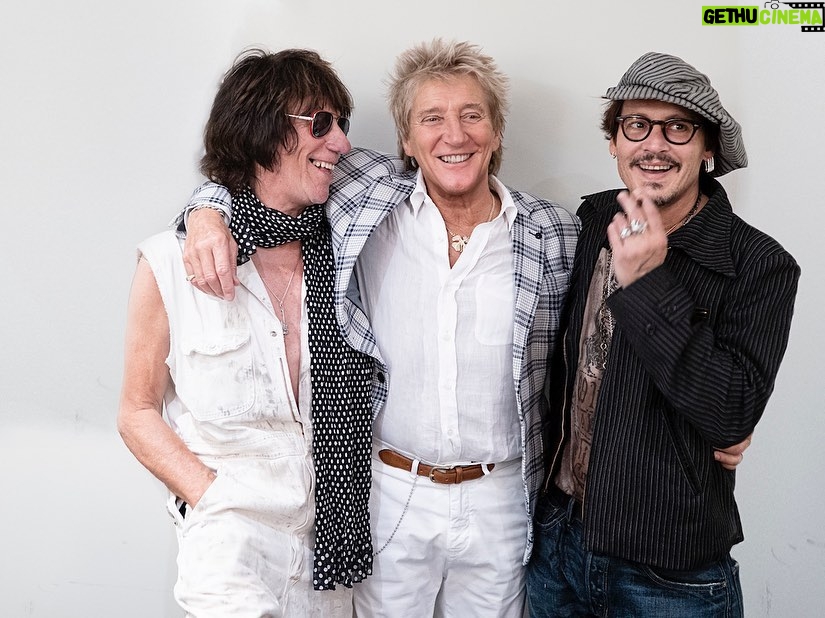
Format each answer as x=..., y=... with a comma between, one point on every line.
x=508, y=206
x=419, y=193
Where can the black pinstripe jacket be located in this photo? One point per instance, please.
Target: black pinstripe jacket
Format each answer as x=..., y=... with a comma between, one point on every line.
x=695, y=352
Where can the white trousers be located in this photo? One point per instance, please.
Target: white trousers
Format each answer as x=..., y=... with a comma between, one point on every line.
x=245, y=550
x=445, y=550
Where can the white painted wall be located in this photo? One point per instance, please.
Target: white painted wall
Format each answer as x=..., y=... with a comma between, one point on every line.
x=101, y=112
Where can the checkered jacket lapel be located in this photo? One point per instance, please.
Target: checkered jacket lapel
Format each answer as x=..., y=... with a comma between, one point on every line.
x=369, y=186
x=528, y=266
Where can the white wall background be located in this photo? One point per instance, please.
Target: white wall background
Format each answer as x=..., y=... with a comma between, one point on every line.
x=101, y=112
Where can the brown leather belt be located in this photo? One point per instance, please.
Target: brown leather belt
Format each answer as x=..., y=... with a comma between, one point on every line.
x=447, y=476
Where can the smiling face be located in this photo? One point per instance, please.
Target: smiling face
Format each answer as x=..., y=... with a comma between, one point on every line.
x=452, y=138
x=304, y=173
x=669, y=173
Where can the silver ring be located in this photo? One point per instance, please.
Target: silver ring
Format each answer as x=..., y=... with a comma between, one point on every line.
x=190, y=277
x=625, y=233
x=638, y=227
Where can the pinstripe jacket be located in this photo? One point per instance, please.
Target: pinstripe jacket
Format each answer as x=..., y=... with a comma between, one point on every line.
x=366, y=187
x=692, y=363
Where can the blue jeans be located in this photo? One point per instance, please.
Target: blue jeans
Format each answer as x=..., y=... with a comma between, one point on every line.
x=564, y=579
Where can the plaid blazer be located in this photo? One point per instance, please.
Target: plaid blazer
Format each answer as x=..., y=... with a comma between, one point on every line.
x=367, y=186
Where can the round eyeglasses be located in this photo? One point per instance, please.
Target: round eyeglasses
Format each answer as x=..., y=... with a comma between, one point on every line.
x=677, y=131
x=322, y=122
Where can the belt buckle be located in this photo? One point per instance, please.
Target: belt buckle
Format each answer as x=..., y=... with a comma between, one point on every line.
x=434, y=469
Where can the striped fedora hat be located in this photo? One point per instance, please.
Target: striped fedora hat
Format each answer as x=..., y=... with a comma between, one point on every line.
x=667, y=78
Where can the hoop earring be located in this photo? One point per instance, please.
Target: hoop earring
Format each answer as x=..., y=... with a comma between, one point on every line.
x=709, y=164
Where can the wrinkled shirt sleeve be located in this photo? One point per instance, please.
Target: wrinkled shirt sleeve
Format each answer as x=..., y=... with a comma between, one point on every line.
x=208, y=194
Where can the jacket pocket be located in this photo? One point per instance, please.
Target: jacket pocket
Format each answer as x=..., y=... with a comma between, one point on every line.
x=682, y=452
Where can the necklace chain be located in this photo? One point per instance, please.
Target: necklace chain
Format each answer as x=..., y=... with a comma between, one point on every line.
x=459, y=242
x=286, y=289
x=688, y=216
x=605, y=322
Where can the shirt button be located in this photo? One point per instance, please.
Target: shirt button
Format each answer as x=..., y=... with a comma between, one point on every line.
x=650, y=329
x=380, y=377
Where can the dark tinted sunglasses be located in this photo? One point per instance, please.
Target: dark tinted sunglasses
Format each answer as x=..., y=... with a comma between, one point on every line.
x=322, y=122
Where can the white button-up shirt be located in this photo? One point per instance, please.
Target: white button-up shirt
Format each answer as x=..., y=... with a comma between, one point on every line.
x=445, y=333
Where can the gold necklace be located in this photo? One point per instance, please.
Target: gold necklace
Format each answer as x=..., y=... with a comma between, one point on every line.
x=688, y=216
x=284, y=327
x=459, y=242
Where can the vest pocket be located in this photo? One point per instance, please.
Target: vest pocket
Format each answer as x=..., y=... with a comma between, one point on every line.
x=215, y=374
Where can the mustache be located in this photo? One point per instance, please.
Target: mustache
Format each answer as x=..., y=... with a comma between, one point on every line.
x=658, y=158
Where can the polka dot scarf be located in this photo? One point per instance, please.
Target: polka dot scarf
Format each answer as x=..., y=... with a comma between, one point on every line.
x=341, y=381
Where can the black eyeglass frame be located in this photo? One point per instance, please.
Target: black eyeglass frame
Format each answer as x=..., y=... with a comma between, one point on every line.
x=341, y=121
x=664, y=123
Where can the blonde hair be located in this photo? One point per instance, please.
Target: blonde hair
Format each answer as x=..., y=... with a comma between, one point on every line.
x=438, y=60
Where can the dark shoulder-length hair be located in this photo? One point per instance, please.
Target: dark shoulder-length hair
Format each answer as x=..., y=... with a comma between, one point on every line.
x=248, y=123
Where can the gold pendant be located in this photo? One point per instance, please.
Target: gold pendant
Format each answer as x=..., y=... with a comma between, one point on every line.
x=459, y=242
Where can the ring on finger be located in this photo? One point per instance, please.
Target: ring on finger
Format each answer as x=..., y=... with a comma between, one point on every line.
x=625, y=233
x=638, y=227
x=190, y=277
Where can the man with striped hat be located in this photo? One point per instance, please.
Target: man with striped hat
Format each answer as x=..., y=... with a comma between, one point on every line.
x=676, y=323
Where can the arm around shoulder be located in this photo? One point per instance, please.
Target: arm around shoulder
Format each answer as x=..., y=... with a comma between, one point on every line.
x=209, y=195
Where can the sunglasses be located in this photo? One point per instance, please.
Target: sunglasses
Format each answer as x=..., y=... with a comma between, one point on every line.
x=322, y=122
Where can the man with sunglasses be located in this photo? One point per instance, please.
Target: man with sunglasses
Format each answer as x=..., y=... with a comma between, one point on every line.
x=676, y=322
x=322, y=121
x=255, y=413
